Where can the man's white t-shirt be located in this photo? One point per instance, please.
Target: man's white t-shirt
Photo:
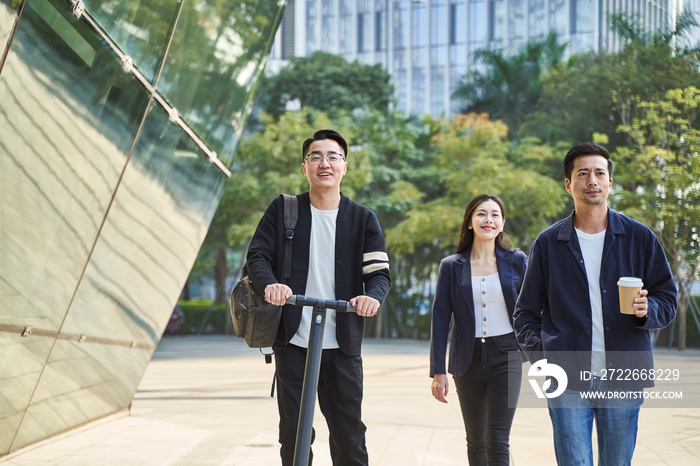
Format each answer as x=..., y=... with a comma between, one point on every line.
x=592, y=249
x=320, y=282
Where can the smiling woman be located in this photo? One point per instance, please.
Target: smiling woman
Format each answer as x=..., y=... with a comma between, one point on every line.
x=476, y=290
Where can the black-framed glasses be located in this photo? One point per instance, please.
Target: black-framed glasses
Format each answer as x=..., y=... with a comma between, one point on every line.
x=314, y=158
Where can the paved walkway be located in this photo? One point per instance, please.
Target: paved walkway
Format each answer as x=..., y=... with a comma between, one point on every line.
x=205, y=401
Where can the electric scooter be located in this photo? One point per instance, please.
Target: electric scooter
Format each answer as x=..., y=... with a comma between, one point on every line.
x=311, y=372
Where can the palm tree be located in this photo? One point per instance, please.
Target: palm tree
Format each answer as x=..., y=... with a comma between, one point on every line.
x=676, y=35
x=507, y=88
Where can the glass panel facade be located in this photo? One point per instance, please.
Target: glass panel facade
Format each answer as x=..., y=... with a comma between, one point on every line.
x=458, y=22
x=105, y=194
x=497, y=23
x=68, y=117
x=380, y=28
x=160, y=214
x=364, y=26
x=478, y=28
x=419, y=20
x=437, y=90
x=81, y=382
x=438, y=20
x=537, y=19
x=217, y=54
x=21, y=365
x=401, y=89
x=140, y=28
x=345, y=33
x=477, y=25
x=311, y=16
x=419, y=91
x=402, y=26
x=517, y=19
x=329, y=30
x=584, y=16
x=8, y=17
x=558, y=17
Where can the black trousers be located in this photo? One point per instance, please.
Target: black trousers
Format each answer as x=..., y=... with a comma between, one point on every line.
x=339, y=397
x=488, y=401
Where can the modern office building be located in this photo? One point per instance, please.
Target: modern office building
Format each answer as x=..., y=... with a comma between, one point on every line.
x=119, y=123
x=427, y=45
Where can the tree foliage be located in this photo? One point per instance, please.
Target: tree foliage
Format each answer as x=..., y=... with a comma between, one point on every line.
x=660, y=179
x=597, y=92
x=508, y=87
x=325, y=81
x=473, y=156
x=660, y=174
x=675, y=35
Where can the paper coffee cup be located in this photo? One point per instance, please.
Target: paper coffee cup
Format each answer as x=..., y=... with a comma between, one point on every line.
x=629, y=289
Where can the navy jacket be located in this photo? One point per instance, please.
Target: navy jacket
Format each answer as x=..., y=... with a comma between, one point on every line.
x=361, y=263
x=553, y=312
x=454, y=299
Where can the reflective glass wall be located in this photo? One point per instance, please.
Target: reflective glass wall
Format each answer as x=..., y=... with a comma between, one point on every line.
x=119, y=121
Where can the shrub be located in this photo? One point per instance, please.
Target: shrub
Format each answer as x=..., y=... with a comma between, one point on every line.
x=203, y=316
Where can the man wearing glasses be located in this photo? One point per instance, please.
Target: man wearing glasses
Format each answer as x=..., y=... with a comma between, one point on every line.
x=338, y=252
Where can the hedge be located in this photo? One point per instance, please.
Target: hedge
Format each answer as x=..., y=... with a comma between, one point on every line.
x=201, y=317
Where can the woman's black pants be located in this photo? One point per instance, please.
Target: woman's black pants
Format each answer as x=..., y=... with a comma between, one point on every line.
x=488, y=394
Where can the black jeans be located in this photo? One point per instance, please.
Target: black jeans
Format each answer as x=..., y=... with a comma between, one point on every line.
x=488, y=401
x=339, y=397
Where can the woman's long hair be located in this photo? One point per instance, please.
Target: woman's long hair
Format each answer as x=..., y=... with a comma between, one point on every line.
x=466, y=239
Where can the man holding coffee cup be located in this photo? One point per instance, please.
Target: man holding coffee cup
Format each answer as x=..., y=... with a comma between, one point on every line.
x=572, y=312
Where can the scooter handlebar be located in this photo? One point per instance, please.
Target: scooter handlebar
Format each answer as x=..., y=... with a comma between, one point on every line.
x=339, y=305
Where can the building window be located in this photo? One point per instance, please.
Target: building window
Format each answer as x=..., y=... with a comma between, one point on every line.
x=420, y=25
x=402, y=26
x=438, y=20
x=517, y=19
x=496, y=20
x=379, y=30
x=583, y=16
x=311, y=42
x=360, y=33
x=537, y=19
x=477, y=21
x=457, y=22
x=345, y=39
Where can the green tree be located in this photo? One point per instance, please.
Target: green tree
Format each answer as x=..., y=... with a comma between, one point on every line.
x=596, y=92
x=677, y=35
x=659, y=176
x=508, y=87
x=325, y=81
x=575, y=100
x=401, y=177
x=473, y=156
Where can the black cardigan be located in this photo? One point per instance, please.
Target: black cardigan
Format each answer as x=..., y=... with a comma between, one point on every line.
x=361, y=263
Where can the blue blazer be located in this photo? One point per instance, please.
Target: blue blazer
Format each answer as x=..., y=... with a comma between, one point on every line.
x=454, y=302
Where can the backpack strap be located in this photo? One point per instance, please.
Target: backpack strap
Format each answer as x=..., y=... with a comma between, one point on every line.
x=291, y=214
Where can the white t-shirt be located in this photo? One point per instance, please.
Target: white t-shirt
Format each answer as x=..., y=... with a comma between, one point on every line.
x=320, y=282
x=592, y=249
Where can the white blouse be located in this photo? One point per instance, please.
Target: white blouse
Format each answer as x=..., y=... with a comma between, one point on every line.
x=490, y=312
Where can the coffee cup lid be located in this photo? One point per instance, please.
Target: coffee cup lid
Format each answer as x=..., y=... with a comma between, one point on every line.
x=630, y=281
